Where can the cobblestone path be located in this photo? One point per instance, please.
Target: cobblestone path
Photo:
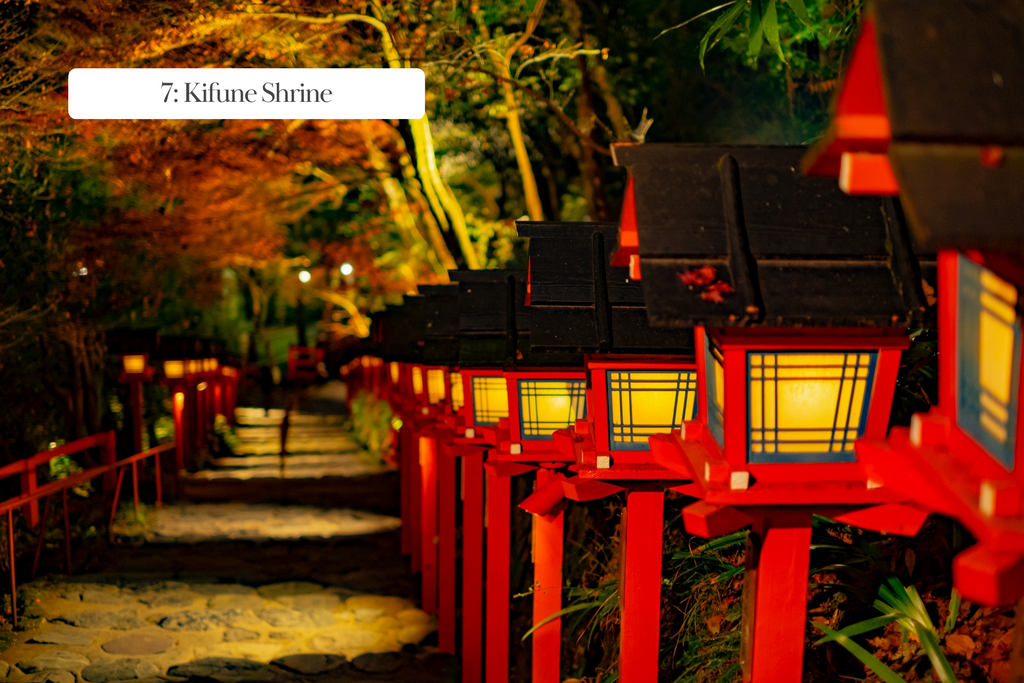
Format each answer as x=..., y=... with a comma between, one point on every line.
x=232, y=592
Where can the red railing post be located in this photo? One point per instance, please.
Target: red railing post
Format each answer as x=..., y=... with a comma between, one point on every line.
x=109, y=458
x=135, y=388
x=446, y=566
x=499, y=539
x=547, y=591
x=10, y=558
x=180, y=437
x=28, y=487
x=472, y=566
x=428, y=520
x=640, y=586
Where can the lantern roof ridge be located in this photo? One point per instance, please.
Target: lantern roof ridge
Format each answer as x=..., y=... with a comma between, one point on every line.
x=735, y=236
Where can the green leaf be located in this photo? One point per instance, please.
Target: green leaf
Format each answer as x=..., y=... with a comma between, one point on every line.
x=954, y=610
x=771, y=29
x=694, y=18
x=561, y=613
x=865, y=657
x=755, y=28
x=800, y=8
x=860, y=627
x=938, y=658
x=719, y=29
x=530, y=4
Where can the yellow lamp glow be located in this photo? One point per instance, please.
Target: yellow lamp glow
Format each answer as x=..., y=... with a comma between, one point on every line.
x=807, y=402
x=134, y=365
x=395, y=372
x=490, y=400
x=214, y=364
x=995, y=353
x=644, y=402
x=547, y=405
x=458, y=398
x=174, y=369
x=179, y=400
x=435, y=385
x=417, y=380
x=194, y=367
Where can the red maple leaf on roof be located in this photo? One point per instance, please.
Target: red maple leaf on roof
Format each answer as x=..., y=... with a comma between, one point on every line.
x=699, y=277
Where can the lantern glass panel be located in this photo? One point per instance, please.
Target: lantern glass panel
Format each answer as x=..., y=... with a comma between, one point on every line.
x=549, y=404
x=715, y=388
x=417, y=380
x=395, y=373
x=174, y=369
x=988, y=363
x=435, y=385
x=458, y=399
x=807, y=407
x=134, y=364
x=490, y=400
x=646, y=402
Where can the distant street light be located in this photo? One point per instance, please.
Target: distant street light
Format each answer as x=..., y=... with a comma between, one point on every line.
x=304, y=276
x=346, y=269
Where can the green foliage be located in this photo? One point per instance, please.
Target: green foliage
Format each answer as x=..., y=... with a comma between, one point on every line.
x=903, y=605
x=226, y=433
x=63, y=466
x=372, y=425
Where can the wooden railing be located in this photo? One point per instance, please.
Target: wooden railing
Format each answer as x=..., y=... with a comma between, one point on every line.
x=112, y=470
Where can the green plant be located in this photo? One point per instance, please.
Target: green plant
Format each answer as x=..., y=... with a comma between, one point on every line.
x=226, y=433
x=903, y=605
x=63, y=466
x=371, y=424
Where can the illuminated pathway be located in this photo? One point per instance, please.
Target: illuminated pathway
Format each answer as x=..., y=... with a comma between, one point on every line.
x=225, y=592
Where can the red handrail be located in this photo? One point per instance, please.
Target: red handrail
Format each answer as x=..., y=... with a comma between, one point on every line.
x=28, y=500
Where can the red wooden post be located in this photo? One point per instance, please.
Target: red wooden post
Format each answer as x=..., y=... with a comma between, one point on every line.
x=417, y=500
x=109, y=458
x=30, y=510
x=472, y=566
x=180, y=437
x=405, y=466
x=428, y=534
x=10, y=554
x=547, y=591
x=640, y=586
x=135, y=389
x=775, y=597
x=218, y=397
x=499, y=520
x=446, y=601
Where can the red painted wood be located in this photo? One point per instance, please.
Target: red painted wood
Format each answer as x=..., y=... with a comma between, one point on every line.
x=886, y=369
x=707, y=520
x=640, y=588
x=547, y=497
x=947, y=284
x=472, y=566
x=428, y=528
x=988, y=576
x=547, y=591
x=892, y=518
x=867, y=173
x=734, y=412
x=405, y=455
x=499, y=520
x=629, y=238
x=699, y=342
x=780, y=598
x=446, y=567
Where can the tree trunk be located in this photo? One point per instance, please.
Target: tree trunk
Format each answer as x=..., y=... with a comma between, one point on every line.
x=590, y=169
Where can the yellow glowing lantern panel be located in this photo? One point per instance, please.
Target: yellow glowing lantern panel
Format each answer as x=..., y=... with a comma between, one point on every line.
x=417, y=380
x=435, y=385
x=458, y=399
x=134, y=364
x=807, y=407
x=490, y=400
x=174, y=369
x=988, y=362
x=395, y=372
x=548, y=404
x=645, y=402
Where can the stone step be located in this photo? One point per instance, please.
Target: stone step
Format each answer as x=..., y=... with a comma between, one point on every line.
x=325, y=459
x=299, y=444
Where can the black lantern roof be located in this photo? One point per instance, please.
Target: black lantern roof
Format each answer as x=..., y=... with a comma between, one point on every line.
x=578, y=301
x=733, y=235
x=441, y=324
x=398, y=331
x=953, y=77
x=494, y=322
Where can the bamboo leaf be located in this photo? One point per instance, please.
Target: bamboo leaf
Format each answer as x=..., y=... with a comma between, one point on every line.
x=694, y=18
x=865, y=657
x=719, y=29
x=954, y=610
x=755, y=27
x=800, y=8
x=770, y=22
